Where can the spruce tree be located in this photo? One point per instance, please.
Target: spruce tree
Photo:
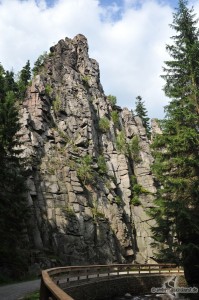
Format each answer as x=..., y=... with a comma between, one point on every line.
x=24, y=78
x=2, y=75
x=176, y=151
x=142, y=113
x=9, y=82
x=13, y=211
x=25, y=73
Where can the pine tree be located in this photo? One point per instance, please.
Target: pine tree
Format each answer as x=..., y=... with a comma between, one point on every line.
x=142, y=113
x=176, y=151
x=13, y=211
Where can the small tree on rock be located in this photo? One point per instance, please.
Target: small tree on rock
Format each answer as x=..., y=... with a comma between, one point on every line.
x=142, y=113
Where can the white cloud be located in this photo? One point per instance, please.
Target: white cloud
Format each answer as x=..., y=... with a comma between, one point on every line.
x=130, y=50
x=134, y=54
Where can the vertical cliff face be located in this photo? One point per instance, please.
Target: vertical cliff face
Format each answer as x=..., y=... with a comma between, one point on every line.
x=89, y=162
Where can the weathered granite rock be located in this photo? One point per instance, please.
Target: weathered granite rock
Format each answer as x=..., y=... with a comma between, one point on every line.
x=80, y=178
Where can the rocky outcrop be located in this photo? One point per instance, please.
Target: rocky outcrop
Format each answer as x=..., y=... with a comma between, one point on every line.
x=88, y=160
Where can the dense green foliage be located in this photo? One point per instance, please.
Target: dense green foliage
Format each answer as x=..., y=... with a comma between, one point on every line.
x=141, y=111
x=7, y=82
x=12, y=187
x=176, y=151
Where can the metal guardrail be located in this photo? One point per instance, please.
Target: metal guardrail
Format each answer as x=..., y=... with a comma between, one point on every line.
x=53, y=280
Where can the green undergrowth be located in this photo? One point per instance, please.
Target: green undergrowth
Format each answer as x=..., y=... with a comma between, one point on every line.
x=32, y=296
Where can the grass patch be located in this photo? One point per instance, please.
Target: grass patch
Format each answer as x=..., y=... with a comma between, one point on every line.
x=32, y=296
x=121, y=144
x=57, y=104
x=104, y=124
x=115, y=118
x=134, y=149
x=118, y=200
x=135, y=201
x=48, y=90
x=112, y=100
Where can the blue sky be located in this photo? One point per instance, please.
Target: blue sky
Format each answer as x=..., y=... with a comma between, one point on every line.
x=50, y=2
x=126, y=37
x=173, y=3
x=118, y=2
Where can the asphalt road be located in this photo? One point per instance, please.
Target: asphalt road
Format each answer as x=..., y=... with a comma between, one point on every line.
x=17, y=291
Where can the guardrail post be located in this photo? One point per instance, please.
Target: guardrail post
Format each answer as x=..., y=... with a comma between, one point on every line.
x=44, y=292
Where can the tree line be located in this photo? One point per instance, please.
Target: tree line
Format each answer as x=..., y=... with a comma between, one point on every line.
x=14, y=248
x=176, y=150
x=13, y=206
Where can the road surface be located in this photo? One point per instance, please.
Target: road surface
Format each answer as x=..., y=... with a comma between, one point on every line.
x=17, y=291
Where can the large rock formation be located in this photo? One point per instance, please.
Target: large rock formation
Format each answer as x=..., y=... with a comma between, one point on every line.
x=88, y=160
